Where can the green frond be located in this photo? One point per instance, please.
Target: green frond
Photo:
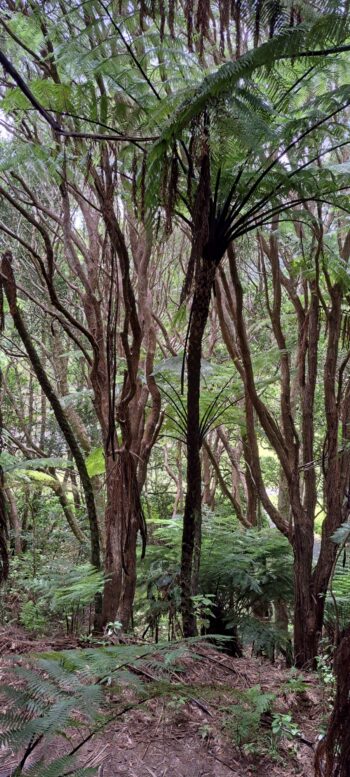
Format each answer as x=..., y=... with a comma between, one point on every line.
x=329, y=30
x=58, y=768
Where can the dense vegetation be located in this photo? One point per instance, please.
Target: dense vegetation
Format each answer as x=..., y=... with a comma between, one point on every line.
x=175, y=341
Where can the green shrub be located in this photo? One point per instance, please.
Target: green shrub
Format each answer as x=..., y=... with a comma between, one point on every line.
x=32, y=617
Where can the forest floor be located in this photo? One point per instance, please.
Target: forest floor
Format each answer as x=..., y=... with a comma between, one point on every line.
x=192, y=738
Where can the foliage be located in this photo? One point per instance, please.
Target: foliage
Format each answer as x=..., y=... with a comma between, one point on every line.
x=79, y=691
x=241, y=571
x=59, y=593
x=32, y=617
x=337, y=608
x=244, y=718
x=255, y=724
x=283, y=725
x=139, y=97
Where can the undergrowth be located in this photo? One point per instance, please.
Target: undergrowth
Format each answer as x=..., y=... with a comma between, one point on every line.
x=73, y=695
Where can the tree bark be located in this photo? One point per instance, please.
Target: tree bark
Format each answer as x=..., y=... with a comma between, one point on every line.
x=15, y=524
x=124, y=518
x=114, y=516
x=193, y=504
x=333, y=752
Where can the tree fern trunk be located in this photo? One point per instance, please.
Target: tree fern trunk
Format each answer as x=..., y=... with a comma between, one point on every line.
x=193, y=504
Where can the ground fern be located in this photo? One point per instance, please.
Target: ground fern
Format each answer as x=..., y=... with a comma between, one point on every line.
x=66, y=698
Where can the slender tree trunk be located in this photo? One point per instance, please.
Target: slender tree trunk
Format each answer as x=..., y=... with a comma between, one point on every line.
x=252, y=492
x=4, y=559
x=193, y=503
x=14, y=520
x=68, y=512
x=207, y=495
x=11, y=293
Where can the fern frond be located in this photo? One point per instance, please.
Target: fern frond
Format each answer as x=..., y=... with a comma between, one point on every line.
x=330, y=30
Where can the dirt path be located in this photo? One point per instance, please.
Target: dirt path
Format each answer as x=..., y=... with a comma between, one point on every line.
x=188, y=737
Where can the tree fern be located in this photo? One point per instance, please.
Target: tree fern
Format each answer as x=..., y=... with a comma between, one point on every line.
x=328, y=31
x=241, y=570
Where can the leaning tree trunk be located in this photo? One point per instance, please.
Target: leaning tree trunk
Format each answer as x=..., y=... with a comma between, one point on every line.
x=193, y=504
x=11, y=294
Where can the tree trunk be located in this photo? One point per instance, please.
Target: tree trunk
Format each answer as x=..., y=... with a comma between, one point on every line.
x=193, y=503
x=333, y=752
x=14, y=521
x=252, y=493
x=113, y=526
x=305, y=643
x=125, y=609
x=124, y=518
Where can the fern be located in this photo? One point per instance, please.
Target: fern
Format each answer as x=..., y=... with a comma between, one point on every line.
x=243, y=719
x=330, y=30
x=78, y=691
x=240, y=570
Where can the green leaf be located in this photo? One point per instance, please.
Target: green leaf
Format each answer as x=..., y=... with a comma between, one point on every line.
x=95, y=462
x=12, y=463
x=342, y=533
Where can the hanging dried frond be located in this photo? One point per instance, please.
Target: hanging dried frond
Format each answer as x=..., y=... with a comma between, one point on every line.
x=222, y=34
x=275, y=12
x=236, y=13
x=111, y=347
x=200, y=226
x=346, y=330
x=202, y=22
x=172, y=192
x=295, y=15
x=225, y=11
x=162, y=19
x=257, y=20
x=2, y=313
x=4, y=561
x=164, y=182
x=171, y=18
x=189, y=20
x=224, y=15
x=190, y=172
x=143, y=12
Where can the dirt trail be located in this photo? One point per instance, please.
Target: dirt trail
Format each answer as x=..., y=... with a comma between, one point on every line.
x=186, y=738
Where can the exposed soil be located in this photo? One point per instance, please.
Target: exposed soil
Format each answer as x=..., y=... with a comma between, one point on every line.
x=187, y=738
